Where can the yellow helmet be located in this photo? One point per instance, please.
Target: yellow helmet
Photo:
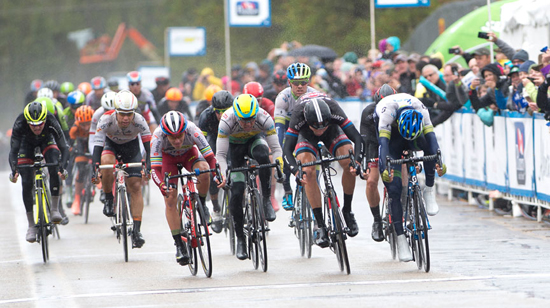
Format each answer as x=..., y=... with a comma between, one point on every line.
x=36, y=112
x=245, y=106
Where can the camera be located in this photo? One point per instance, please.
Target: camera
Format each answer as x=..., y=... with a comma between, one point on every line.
x=454, y=70
x=483, y=35
x=454, y=51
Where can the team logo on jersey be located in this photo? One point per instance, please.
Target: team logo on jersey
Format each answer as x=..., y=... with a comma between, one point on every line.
x=248, y=8
x=196, y=135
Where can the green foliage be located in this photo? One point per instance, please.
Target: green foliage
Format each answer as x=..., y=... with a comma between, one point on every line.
x=34, y=43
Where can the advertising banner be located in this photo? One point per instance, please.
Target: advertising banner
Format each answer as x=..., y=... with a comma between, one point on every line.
x=520, y=154
x=186, y=41
x=542, y=157
x=255, y=13
x=495, y=155
x=400, y=3
x=453, y=148
x=474, y=149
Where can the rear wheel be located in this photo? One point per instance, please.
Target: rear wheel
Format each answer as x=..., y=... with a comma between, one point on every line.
x=389, y=231
x=203, y=236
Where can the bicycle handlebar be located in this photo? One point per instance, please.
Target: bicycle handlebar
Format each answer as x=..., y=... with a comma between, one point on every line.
x=196, y=172
x=436, y=157
x=121, y=166
x=249, y=167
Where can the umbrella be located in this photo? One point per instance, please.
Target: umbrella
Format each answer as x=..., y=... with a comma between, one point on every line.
x=324, y=53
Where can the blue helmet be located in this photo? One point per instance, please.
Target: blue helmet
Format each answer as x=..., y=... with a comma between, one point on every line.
x=410, y=124
x=298, y=71
x=76, y=99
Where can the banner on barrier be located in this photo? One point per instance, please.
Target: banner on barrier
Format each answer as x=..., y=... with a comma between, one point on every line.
x=520, y=154
x=474, y=149
x=542, y=157
x=452, y=148
x=495, y=155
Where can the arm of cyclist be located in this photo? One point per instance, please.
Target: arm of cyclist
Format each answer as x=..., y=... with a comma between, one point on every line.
x=359, y=145
x=429, y=134
x=280, y=117
x=204, y=147
x=291, y=137
x=222, y=146
x=63, y=148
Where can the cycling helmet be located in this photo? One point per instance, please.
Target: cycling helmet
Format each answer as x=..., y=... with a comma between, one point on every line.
x=173, y=123
x=210, y=91
x=298, y=71
x=52, y=84
x=112, y=83
x=36, y=85
x=382, y=92
x=36, y=112
x=245, y=106
x=317, y=113
x=125, y=102
x=84, y=114
x=98, y=83
x=76, y=98
x=45, y=92
x=410, y=124
x=85, y=87
x=67, y=87
x=173, y=94
x=254, y=88
x=108, y=100
x=279, y=77
x=222, y=100
x=134, y=76
x=162, y=81
x=49, y=104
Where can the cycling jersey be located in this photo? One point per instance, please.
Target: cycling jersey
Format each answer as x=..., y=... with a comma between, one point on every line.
x=284, y=104
x=298, y=126
x=229, y=131
x=24, y=139
x=95, y=119
x=267, y=105
x=147, y=106
x=93, y=101
x=208, y=123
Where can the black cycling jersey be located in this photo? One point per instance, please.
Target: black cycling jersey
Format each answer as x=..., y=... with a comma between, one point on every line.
x=369, y=131
x=23, y=138
x=208, y=123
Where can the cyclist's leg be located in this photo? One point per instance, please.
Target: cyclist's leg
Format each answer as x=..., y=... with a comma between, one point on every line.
x=51, y=155
x=203, y=180
x=373, y=196
x=130, y=153
x=259, y=150
x=238, y=151
x=27, y=182
x=81, y=163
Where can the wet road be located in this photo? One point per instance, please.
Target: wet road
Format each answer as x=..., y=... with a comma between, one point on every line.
x=479, y=259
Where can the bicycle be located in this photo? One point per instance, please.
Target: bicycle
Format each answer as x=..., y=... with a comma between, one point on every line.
x=227, y=220
x=194, y=224
x=415, y=218
x=302, y=218
x=334, y=219
x=255, y=225
x=122, y=222
x=88, y=193
x=42, y=202
x=389, y=232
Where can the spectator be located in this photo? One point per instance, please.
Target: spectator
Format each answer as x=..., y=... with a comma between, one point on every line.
x=497, y=89
x=455, y=92
x=483, y=57
x=280, y=82
x=472, y=64
x=520, y=57
x=406, y=77
x=431, y=89
x=205, y=79
x=235, y=86
x=516, y=101
x=531, y=84
x=187, y=84
x=163, y=84
x=355, y=83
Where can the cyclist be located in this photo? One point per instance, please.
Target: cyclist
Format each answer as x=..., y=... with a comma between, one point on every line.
x=147, y=105
x=107, y=104
x=163, y=84
x=84, y=87
x=415, y=132
x=317, y=119
x=298, y=75
x=66, y=88
x=36, y=84
x=99, y=87
x=117, y=133
x=79, y=143
x=173, y=100
x=368, y=130
x=208, y=123
x=279, y=82
x=179, y=141
x=207, y=101
x=56, y=88
x=35, y=127
x=75, y=99
x=240, y=132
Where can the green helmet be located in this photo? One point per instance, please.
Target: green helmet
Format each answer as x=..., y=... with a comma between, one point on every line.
x=67, y=87
x=36, y=112
x=50, y=105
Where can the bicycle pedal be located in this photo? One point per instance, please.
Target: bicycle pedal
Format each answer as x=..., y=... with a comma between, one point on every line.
x=292, y=224
x=113, y=228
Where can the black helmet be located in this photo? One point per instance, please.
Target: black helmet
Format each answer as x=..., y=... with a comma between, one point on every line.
x=317, y=113
x=222, y=100
x=384, y=91
x=279, y=77
x=52, y=85
x=36, y=112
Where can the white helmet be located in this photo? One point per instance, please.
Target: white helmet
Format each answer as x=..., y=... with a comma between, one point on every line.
x=125, y=101
x=45, y=92
x=108, y=100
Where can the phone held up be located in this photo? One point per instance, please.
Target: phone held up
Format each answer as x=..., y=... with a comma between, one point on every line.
x=454, y=51
x=483, y=35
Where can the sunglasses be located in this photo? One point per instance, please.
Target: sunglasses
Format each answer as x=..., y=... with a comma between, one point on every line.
x=135, y=83
x=35, y=124
x=280, y=82
x=217, y=110
x=300, y=82
x=247, y=120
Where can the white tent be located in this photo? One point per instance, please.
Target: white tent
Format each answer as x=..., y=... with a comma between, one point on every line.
x=526, y=24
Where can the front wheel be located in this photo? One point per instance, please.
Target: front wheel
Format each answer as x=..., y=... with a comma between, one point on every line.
x=422, y=231
x=260, y=231
x=228, y=226
x=202, y=234
x=123, y=219
x=339, y=235
x=43, y=225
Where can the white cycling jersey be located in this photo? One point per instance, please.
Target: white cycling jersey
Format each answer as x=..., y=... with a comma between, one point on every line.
x=284, y=103
x=107, y=127
x=389, y=107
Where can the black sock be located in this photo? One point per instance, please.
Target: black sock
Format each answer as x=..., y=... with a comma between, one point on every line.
x=109, y=195
x=376, y=213
x=347, y=203
x=318, y=213
x=203, y=200
x=137, y=225
x=216, y=205
x=177, y=239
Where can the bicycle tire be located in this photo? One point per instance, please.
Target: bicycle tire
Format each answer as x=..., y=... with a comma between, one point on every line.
x=228, y=225
x=187, y=238
x=389, y=232
x=260, y=226
x=422, y=231
x=123, y=210
x=250, y=217
x=42, y=225
x=202, y=236
x=87, y=200
x=410, y=230
x=340, y=238
x=307, y=228
x=297, y=217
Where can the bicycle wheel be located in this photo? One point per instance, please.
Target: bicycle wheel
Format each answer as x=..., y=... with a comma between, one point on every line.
x=339, y=235
x=42, y=225
x=297, y=220
x=86, y=200
x=410, y=231
x=123, y=212
x=260, y=227
x=389, y=231
x=203, y=236
x=422, y=230
x=306, y=222
x=228, y=226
